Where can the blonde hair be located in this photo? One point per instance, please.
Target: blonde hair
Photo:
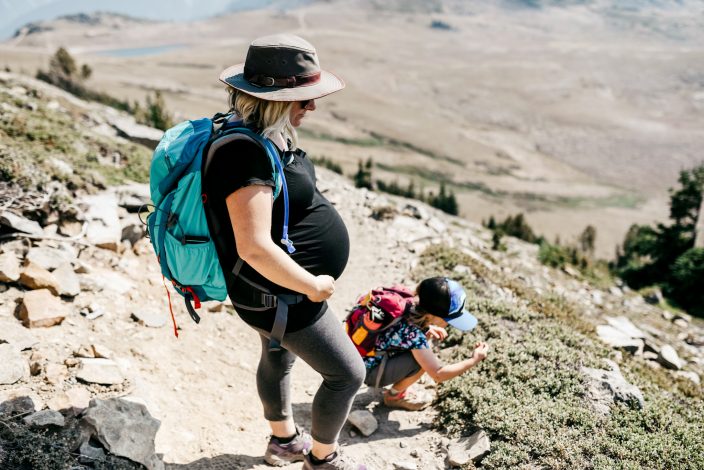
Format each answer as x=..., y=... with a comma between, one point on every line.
x=269, y=117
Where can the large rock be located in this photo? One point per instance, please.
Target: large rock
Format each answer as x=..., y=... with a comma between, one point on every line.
x=125, y=429
x=605, y=388
x=50, y=258
x=20, y=395
x=624, y=325
x=69, y=284
x=36, y=277
x=618, y=339
x=150, y=318
x=104, y=229
x=461, y=451
x=41, y=309
x=15, y=334
x=100, y=371
x=20, y=224
x=364, y=421
x=45, y=418
x=133, y=196
x=669, y=358
x=127, y=127
x=9, y=267
x=73, y=400
x=14, y=366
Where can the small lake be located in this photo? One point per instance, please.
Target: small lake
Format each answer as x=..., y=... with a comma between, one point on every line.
x=139, y=51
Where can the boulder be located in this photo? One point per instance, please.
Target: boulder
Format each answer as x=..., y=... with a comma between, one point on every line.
x=45, y=418
x=69, y=284
x=41, y=309
x=9, y=267
x=36, y=277
x=364, y=421
x=461, y=451
x=133, y=196
x=20, y=395
x=16, y=405
x=100, y=371
x=617, y=339
x=125, y=429
x=669, y=358
x=127, y=127
x=14, y=366
x=20, y=224
x=605, y=388
x=133, y=233
x=89, y=454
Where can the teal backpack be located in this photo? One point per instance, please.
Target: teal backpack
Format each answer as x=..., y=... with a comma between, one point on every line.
x=178, y=227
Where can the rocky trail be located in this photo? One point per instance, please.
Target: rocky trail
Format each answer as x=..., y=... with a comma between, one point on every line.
x=84, y=315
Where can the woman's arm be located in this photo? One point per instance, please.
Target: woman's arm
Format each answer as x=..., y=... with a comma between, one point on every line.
x=430, y=363
x=250, y=214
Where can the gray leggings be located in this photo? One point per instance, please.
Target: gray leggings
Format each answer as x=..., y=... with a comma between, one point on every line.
x=325, y=347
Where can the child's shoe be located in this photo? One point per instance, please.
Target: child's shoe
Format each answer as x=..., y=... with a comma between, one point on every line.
x=335, y=461
x=279, y=454
x=406, y=400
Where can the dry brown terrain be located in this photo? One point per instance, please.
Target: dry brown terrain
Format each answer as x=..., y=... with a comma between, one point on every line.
x=573, y=116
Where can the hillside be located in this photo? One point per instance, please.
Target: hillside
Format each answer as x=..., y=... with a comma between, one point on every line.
x=574, y=115
x=578, y=376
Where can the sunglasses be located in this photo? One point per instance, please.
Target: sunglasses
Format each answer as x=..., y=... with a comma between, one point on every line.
x=305, y=103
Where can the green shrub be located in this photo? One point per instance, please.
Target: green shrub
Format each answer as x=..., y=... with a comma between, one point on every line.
x=529, y=395
x=687, y=286
x=327, y=163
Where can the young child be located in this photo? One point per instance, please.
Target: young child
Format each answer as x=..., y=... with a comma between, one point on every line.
x=403, y=352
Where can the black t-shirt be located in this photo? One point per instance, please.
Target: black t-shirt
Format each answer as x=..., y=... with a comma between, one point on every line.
x=316, y=229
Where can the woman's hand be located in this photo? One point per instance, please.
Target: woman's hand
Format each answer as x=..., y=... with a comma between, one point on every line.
x=324, y=288
x=481, y=349
x=436, y=332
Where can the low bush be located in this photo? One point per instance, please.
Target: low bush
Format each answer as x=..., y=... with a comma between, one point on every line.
x=529, y=395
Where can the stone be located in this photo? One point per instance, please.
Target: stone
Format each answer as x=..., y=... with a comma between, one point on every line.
x=101, y=351
x=127, y=127
x=100, y=371
x=669, y=358
x=20, y=224
x=133, y=233
x=104, y=230
x=681, y=322
x=150, y=319
x=16, y=405
x=89, y=454
x=14, y=366
x=694, y=340
x=13, y=333
x=45, y=418
x=364, y=421
x=617, y=339
x=24, y=393
x=693, y=376
x=625, y=325
x=73, y=400
x=41, y=309
x=605, y=388
x=437, y=225
x=653, y=296
x=650, y=356
x=84, y=351
x=125, y=429
x=70, y=228
x=217, y=307
x=35, y=277
x=133, y=196
x=55, y=374
x=69, y=284
x=9, y=267
x=461, y=451
x=50, y=258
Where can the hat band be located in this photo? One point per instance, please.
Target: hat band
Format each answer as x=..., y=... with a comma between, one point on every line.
x=284, y=82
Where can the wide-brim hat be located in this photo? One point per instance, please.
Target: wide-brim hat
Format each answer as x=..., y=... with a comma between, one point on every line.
x=446, y=298
x=282, y=67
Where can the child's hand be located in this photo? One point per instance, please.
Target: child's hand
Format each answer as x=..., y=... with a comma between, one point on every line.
x=436, y=332
x=481, y=349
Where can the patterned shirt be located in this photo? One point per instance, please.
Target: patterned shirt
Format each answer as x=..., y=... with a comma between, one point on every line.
x=401, y=337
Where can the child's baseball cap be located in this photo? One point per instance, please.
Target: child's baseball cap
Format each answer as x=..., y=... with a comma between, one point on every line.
x=445, y=298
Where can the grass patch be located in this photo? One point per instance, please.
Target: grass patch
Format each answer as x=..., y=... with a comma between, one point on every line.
x=529, y=395
x=32, y=139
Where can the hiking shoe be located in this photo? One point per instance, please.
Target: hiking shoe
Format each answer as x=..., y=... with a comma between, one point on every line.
x=335, y=461
x=406, y=400
x=278, y=454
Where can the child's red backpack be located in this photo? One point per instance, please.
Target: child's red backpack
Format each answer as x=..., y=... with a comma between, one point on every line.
x=374, y=313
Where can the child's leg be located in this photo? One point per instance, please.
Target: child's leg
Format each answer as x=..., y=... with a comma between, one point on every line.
x=401, y=368
x=403, y=384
